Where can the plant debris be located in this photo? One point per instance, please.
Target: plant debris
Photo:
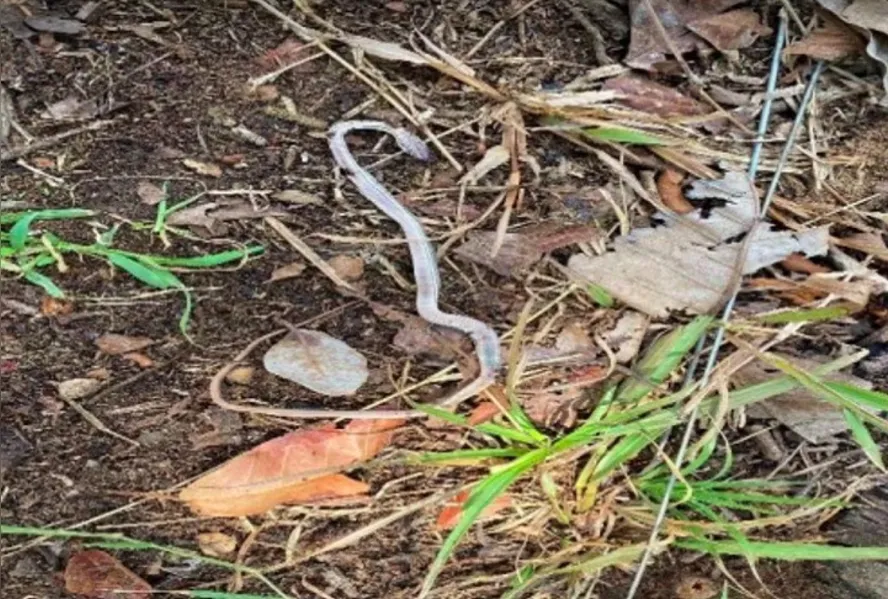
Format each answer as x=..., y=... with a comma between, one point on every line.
x=317, y=361
x=689, y=265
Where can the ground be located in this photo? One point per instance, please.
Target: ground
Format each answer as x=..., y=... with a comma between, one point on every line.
x=168, y=98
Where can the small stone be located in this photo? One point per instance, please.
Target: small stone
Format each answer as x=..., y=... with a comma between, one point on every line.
x=350, y=268
x=77, y=388
x=216, y=544
x=242, y=375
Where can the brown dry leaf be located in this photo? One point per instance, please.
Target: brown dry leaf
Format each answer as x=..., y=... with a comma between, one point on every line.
x=418, y=337
x=203, y=168
x=150, y=193
x=551, y=409
x=210, y=215
x=349, y=268
x=53, y=307
x=669, y=188
x=626, y=337
x=287, y=52
x=288, y=271
x=99, y=575
x=833, y=41
x=114, y=345
x=139, y=359
x=651, y=97
x=452, y=511
x=731, y=30
x=216, y=544
x=688, y=264
x=870, y=17
x=317, y=361
x=574, y=337
x=871, y=244
x=292, y=468
x=295, y=196
x=77, y=388
x=520, y=251
x=801, y=410
x=646, y=45
x=798, y=263
x=494, y=158
x=696, y=587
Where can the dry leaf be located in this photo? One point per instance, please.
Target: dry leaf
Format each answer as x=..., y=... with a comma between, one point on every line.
x=114, y=345
x=292, y=468
x=139, y=359
x=210, y=215
x=804, y=412
x=99, y=575
x=384, y=50
x=689, y=264
x=71, y=109
x=203, y=168
x=150, y=193
x=295, y=196
x=349, y=268
x=216, y=544
x=288, y=271
x=626, y=337
x=552, y=409
x=647, y=46
x=833, y=41
x=515, y=256
x=50, y=24
x=731, y=30
x=574, y=338
x=651, y=97
x=669, y=188
x=77, y=388
x=871, y=18
x=418, y=337
x=288, y=52
x=495, y=157
x=696, y=587
x=317, y=361
x=452, y=511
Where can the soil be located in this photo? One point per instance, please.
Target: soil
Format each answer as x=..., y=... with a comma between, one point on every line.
x=60, y=470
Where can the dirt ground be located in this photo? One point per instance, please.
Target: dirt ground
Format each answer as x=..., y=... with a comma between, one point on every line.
x=168, y=100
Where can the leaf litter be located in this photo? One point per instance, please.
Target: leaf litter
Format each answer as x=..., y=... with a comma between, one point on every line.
x=675, y=267
x=318, y=362
x=299, y=467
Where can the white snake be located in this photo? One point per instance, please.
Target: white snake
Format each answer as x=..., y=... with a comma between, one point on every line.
x=425, y=272
x=425, y=263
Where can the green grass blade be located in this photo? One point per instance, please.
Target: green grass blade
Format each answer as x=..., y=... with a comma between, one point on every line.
x=53, y=214
x=620, y=454
x=208, y=260
x=465, y=455
x=860, y=396
x=599, y=295
x=864, y=439
x=482, y=495
x=785, y=551
x=662, y=359
x=18, y=234
x=151, y=276
x=45, y=283
x=625, y=135
x=812, y=315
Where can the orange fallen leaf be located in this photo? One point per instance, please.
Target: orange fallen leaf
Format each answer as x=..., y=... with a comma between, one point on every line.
x=50, y=306
x=669, y=187
x=452, y=511
x=483, y=412
x=799, y=263
x=97, y=574
x=139, y=359
x=298, y=467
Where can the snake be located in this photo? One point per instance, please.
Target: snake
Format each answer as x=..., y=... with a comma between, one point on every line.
x=426, y=278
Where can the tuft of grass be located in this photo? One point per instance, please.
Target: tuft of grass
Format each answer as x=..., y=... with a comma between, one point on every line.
x=26, y=254
x=117, y=541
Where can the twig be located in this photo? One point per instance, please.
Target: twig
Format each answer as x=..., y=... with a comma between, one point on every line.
x=306, y=251
x=48, y=142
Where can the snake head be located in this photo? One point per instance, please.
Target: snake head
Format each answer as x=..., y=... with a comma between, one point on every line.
x=412, y=145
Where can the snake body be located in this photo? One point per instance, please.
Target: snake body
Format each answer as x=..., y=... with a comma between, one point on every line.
x=422, y=254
